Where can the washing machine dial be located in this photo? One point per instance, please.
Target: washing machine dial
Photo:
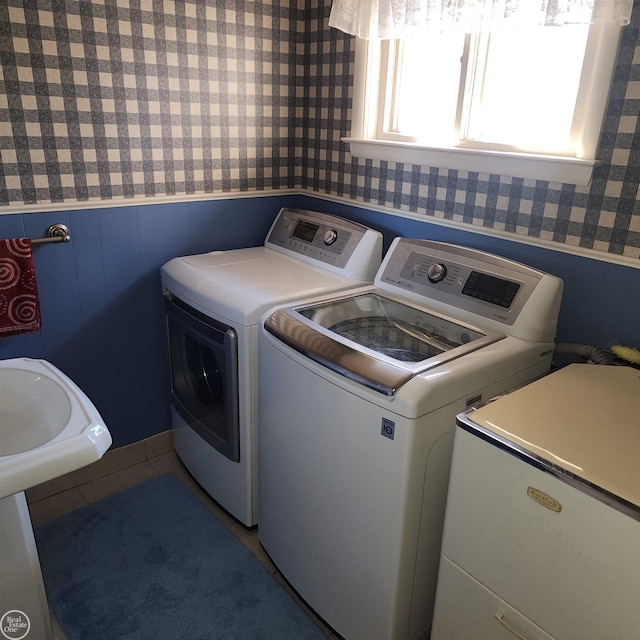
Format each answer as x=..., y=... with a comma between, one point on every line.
x=437, y=272
x=330, y=236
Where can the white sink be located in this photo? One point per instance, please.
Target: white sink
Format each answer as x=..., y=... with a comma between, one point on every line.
x=48, y=426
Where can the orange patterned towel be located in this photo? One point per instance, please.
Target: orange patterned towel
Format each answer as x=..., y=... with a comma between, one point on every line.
x=19, y=304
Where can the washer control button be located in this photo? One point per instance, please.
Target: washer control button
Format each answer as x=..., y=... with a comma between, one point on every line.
x=330, y=236
x=437, y=272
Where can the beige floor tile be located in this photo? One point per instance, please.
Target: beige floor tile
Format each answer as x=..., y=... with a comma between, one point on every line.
x=170, y=463
x=247, y=536
x=46, y=489
x=187, y=479
x=159, y=444
x=112, y=461
x=114, y=482
x=55, y=506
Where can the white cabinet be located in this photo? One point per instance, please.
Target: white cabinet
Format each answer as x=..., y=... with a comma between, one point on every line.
x=575, y=573
x=530, y=551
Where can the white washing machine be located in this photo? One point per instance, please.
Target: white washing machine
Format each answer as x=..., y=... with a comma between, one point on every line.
x=542, y=530
x=212, y=305
x=358, y=398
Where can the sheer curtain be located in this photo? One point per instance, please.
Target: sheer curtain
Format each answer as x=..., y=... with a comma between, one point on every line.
x=387, y=19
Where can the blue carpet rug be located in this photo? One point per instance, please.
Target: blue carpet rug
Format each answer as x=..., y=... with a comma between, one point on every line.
x=152, y=563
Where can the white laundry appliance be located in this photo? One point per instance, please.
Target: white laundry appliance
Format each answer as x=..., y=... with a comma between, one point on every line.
x=542, y=529
x=212, y=305
x=357, y=403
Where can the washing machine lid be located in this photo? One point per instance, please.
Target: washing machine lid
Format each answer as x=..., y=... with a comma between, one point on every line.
x=582, y=422
x=377, y=340
x=240, y=285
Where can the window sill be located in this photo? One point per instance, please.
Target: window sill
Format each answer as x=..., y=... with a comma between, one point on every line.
x=552, y=168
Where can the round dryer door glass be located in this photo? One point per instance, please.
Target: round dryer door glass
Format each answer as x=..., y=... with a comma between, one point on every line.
x=389, y=327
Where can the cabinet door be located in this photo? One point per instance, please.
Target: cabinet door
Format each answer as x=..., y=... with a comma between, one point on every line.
x=467, y=609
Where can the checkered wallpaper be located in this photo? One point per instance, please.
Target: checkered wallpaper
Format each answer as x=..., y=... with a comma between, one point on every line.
x=603, y=216
x=113, y=99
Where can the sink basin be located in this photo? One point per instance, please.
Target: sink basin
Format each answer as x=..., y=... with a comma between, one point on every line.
x=34, y=410
x=48, y=426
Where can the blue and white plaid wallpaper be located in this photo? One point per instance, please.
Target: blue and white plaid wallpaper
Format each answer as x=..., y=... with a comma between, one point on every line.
x=106, y=100
x=604, y=216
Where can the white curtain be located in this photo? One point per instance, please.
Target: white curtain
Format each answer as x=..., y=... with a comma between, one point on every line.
x=384, y=19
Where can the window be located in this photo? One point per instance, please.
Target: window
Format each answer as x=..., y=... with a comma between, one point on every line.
x=526, y=102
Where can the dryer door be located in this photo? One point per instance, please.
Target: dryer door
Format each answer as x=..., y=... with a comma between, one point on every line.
x=203, y=358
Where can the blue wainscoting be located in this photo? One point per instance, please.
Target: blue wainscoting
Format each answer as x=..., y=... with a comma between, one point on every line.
x=102, y=307
x=101, y=301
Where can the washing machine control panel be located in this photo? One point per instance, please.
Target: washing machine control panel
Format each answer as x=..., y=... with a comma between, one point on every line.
x=462, y=278
x=425, y=270
x=311, y=235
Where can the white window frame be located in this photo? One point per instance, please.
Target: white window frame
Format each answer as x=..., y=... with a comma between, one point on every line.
x=600, y=59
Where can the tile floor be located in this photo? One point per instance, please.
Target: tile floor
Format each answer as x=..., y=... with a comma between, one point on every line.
x=125, y=467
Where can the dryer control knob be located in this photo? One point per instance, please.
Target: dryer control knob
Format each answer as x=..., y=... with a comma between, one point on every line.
x=330, y=236
x=437, y=272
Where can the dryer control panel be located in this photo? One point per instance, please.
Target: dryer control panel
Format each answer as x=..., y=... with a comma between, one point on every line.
x=330, y=240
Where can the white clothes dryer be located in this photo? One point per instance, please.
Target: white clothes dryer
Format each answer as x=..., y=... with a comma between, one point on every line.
x=213, y=303
x=358, y=398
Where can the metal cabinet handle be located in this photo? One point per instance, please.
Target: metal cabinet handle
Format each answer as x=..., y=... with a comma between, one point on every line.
x=499, y=616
